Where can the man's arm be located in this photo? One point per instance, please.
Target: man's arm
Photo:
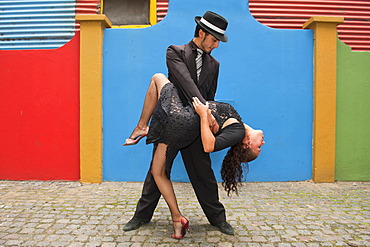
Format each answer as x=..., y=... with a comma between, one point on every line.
x=181, y=74
x=212, y=90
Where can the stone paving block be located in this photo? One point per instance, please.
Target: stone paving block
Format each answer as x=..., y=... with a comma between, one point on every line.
x=301, y=214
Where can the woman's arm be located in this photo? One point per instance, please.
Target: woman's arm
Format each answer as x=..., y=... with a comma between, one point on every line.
x=208, y=139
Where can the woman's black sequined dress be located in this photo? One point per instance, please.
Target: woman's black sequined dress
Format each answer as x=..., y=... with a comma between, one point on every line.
x=177, y=125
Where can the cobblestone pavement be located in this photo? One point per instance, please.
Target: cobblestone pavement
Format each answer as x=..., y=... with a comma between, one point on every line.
x=36, y=213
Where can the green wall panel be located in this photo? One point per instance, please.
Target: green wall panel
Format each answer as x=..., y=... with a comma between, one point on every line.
x=353, y=115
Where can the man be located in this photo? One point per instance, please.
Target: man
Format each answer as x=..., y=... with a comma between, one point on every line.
x=194, y=76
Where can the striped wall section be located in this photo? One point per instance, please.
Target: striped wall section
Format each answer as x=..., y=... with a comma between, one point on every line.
x=49, y=24
x=87, y=7
x=291, y=14
x=40, y=24
x=36, y=24
x=162, y=8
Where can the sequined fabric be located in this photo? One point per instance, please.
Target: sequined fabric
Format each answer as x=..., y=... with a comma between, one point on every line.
x=172, y=123
x=178, y=125
x=222, y=112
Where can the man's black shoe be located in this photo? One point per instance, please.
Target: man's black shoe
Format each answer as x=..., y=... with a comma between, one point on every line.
x=225, y=228
x=134, y=224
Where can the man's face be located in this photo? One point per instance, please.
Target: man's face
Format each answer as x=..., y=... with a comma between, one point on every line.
x=208, y=42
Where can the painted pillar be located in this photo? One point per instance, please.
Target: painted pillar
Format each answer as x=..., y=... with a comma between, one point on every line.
x=325, y=70
x=91, y=56
x=153, y=12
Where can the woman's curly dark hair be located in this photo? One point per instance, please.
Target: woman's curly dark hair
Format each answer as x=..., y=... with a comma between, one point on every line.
x=232, y=168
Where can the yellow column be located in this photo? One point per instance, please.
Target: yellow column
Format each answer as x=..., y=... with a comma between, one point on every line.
x=325, y=71
x=153, y=12
x=91, y=45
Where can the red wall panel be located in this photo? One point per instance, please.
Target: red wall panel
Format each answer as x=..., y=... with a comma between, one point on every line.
x=39, y=113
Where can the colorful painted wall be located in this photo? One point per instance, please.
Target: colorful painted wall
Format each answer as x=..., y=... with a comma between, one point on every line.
x=265, y=73
x=353, y=115
x=39, y=98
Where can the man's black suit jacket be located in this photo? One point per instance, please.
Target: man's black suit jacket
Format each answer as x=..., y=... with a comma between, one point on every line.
x=182, y=73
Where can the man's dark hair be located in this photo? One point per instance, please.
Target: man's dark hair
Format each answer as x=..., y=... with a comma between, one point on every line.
x=197, y=28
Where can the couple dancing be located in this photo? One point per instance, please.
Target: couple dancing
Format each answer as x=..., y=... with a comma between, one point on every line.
x=183, y=117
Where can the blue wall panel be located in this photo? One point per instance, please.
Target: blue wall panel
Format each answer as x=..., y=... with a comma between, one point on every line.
x=265, y=73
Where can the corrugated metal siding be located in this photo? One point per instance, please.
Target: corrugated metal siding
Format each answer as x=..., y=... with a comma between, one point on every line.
x=162, y=8
x=291, y=14
x=37, y=24
x=87, y=7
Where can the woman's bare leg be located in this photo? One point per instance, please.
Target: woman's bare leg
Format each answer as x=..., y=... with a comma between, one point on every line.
x=165, y=186
x=151, y=98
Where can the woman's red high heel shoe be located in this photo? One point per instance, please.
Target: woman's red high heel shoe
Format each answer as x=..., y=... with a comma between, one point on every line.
x=133, y=141
x=184, y=228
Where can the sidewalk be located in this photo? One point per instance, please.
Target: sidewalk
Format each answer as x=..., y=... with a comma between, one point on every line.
x=35, y=213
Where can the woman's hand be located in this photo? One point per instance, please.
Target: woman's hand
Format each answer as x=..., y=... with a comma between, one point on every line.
x=200, y=108
x=208, y=139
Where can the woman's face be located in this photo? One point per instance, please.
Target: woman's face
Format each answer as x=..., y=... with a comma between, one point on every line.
x=256, y=141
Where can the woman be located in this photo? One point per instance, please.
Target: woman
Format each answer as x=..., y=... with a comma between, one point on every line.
x=174, y=126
